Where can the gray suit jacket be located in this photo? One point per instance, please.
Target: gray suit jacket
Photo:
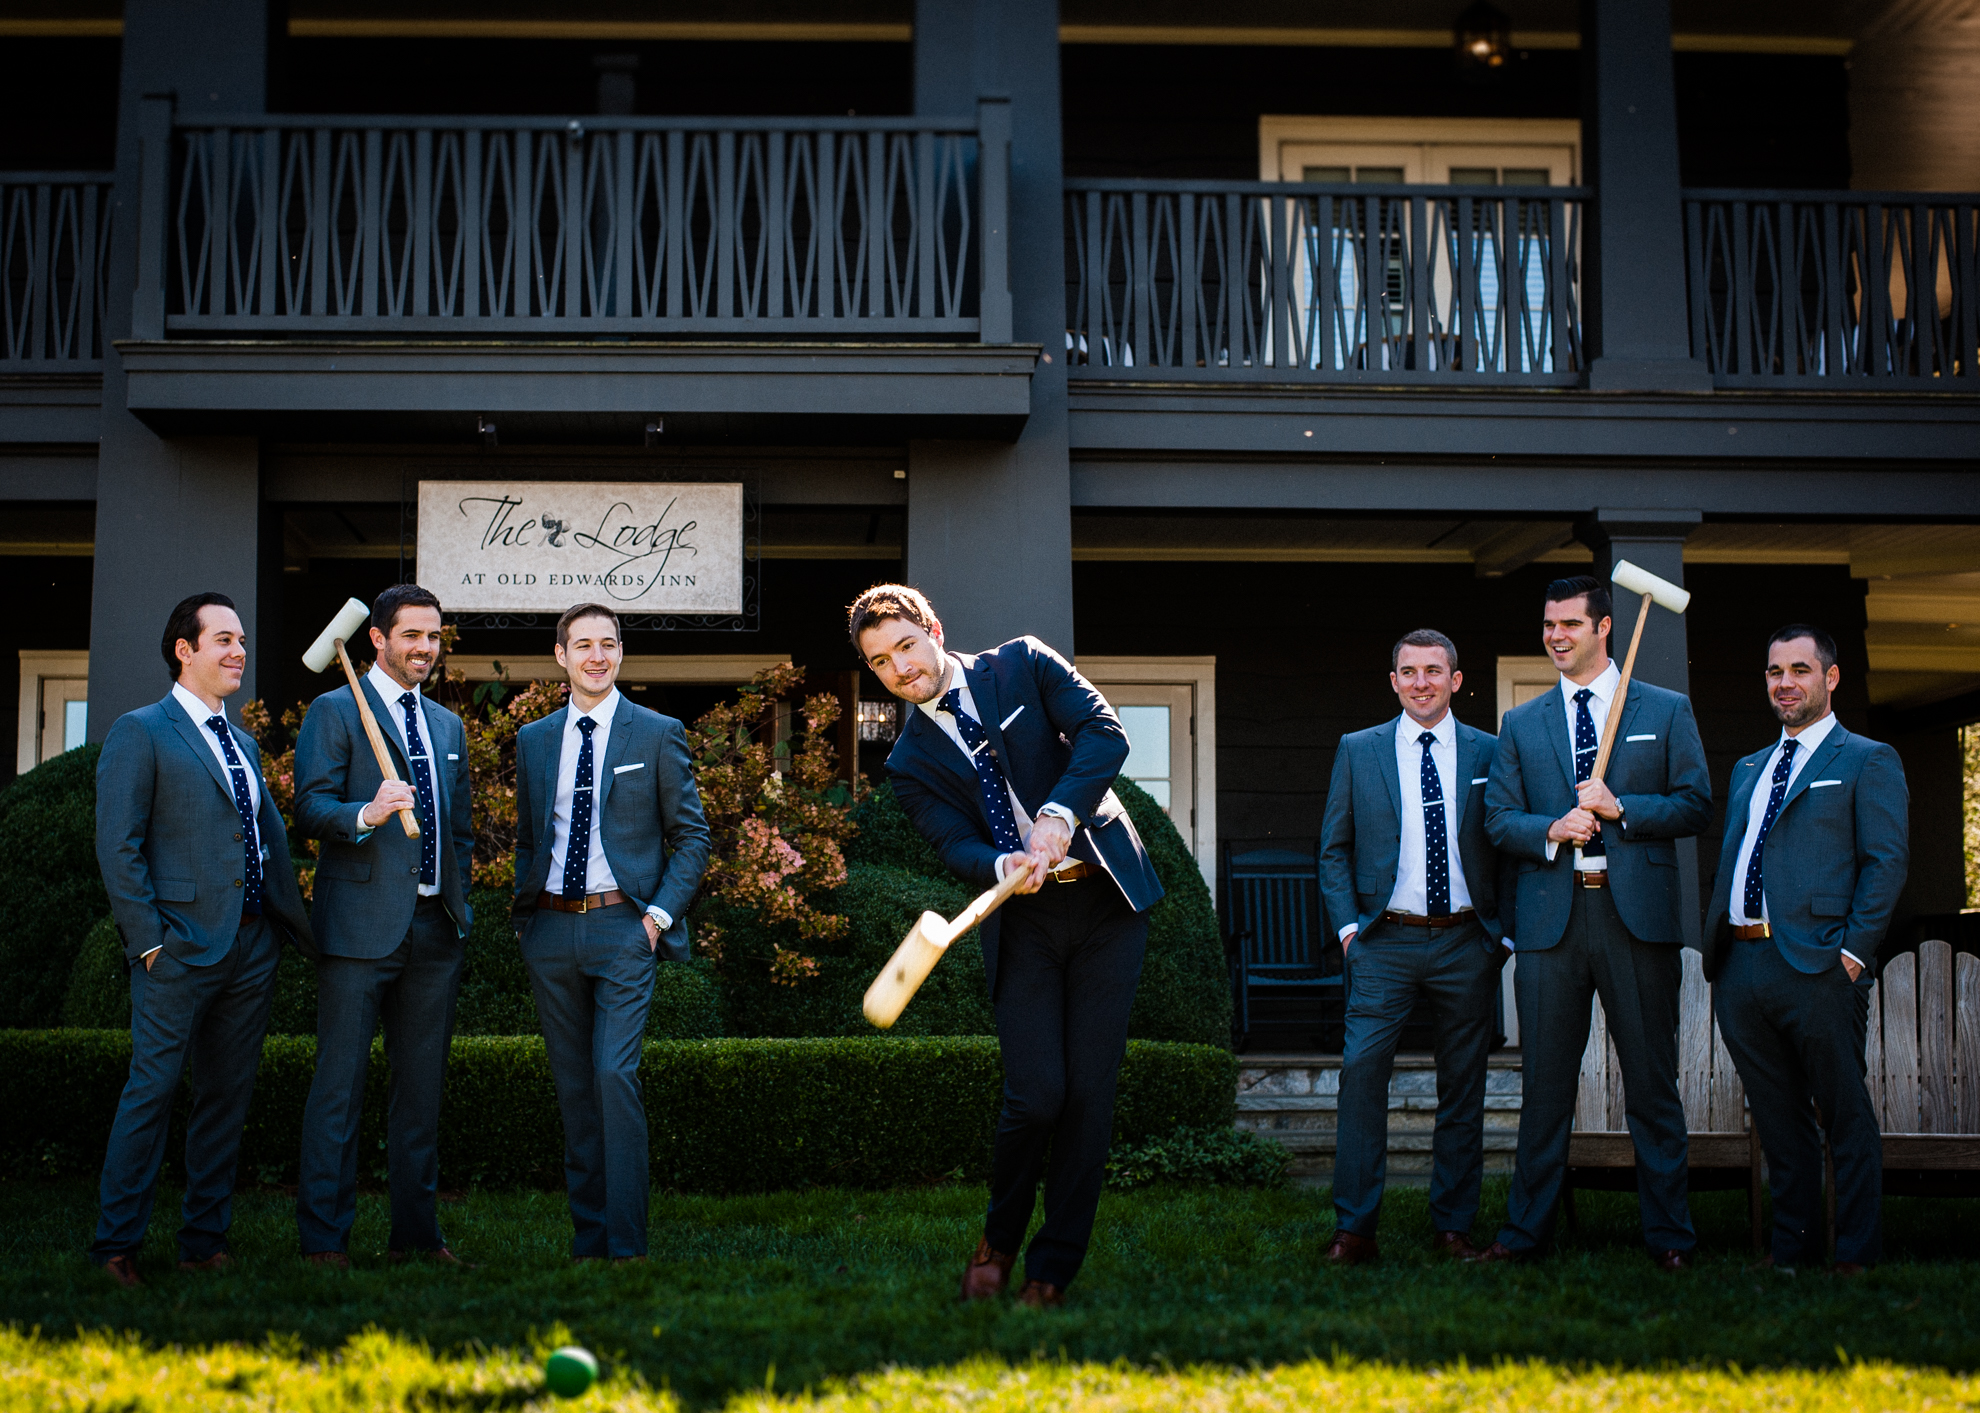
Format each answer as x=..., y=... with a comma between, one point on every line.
x=1361, y=834
x=367, y=885
x=1835, y=860
x=648, y=812
x=1658, y=773
x=168, y=840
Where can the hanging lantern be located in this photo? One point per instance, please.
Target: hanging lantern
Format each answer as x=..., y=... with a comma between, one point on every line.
x=1483, y=36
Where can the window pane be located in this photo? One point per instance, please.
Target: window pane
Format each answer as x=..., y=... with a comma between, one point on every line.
x=1378, y=174
x=1526, y=176
x=1148, y=742
x=1474, y=176
x=1323, y=174
x=75, y=724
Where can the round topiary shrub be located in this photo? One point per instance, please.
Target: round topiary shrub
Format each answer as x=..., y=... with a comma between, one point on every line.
x=51, y=893
x=99, y=994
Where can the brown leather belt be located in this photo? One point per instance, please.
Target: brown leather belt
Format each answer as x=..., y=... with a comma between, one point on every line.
x=547, y=899
x=1412, y=920
x=1592, y=877
x=1071, y=871
x=1751, y=931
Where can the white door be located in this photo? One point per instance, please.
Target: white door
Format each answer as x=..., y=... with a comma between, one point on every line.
x=64, y=715
x=1157, y=719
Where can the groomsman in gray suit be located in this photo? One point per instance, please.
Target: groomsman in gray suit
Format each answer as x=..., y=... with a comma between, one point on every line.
x=1597, y=903
x=196, y=863
x=1815, y=852
x=391, y=916
x=610, y=847
x=1411, y=883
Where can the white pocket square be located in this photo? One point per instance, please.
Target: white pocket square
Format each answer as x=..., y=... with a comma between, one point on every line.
x=622, y=769
x=1480, y=779
x=1650, y=737
x=452, y=756
x=1818, y=784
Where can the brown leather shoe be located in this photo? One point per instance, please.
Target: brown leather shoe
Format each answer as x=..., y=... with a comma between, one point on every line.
x=439, y=1256
x=1674, y=1261
x=328, y=1260
x=217, y=1262
x=1497, y=1254
x=1041, y=1295
x=1348, y=1249
x=988, y=1272
x=122, y=1270
x=1849, y=1269
x=1454, y=1244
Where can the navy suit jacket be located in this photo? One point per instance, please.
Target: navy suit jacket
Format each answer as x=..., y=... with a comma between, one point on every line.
x=1058, y=741
x=168, y=839
x=1835, y=860
x=1657, y=771
x=366, y=886
x=1361, y=834
x=647, y=809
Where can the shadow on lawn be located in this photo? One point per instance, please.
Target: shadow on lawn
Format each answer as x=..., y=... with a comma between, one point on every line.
x=832, y=1283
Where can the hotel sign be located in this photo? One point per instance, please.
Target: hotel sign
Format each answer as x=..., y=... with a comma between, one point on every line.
x=541, y=546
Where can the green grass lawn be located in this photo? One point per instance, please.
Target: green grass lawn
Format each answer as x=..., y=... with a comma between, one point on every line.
x=830, y=1285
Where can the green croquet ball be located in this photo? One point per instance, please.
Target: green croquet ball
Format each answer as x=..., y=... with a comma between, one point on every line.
x=569, y=1371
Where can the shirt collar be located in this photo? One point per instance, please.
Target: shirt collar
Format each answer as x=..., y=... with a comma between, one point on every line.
x=198, y=710
x=1604, y=687
x=1408, y=732
x=602, y=713
x=388, y=690
x=956, y=679
x=1811, y=738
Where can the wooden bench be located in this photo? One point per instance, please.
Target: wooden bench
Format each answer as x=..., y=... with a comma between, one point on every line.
x=1923, y=1060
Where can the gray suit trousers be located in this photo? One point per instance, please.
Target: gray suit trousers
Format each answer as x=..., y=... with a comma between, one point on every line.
x=593, y=978
x=215, y=1017
x=412, y=990
x=1798, y=1042
x=1388, y=968
x=1638, y=983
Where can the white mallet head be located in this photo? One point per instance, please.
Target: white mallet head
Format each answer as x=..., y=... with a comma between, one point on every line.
x=1642, y=581
x=349, y=618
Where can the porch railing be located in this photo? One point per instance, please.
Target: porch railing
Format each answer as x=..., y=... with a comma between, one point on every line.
x=54, y=248
x=1833, y=289
x=782, y=227
x=1290, y=281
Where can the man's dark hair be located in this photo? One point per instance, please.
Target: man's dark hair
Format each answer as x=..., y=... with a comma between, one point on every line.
x=1423, y=638
x=1825, y=646
x=884, y=601
x=385, y=608
x=1579, y=586
x=586, y=610
x=184, y=623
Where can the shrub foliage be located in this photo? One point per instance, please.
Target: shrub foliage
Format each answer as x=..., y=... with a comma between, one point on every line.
x=51, y=894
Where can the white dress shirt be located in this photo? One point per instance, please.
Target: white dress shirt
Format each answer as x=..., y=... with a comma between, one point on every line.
x=1602, y=692
x=1806, y=744
x=932, y=709
x=389, y=693
x=597, y=872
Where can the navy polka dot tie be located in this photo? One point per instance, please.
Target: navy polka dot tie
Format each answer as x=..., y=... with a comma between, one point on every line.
x=244, y=803
x=1586, y=746
x=1436, y=842
x=1783, y=768
x=577, y=851
x=422, y=770
x=989, y=774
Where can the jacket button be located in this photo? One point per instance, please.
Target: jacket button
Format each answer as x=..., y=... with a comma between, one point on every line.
x=237, y=838
x=413, y=871
x=237, y=882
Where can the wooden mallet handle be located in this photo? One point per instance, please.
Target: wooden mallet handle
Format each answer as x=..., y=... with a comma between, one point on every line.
x=1622, y=695
x=406, y=816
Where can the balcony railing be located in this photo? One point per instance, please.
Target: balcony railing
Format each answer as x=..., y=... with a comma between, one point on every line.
x=1863, y=290
x=54, y=247
x=1309, y=282
x=784, y=227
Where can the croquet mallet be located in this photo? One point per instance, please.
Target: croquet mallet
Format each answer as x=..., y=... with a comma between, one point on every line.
x=330, y=643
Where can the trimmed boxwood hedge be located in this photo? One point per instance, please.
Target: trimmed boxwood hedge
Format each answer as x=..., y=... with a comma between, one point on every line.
x=724, y=1115
x=51, y=894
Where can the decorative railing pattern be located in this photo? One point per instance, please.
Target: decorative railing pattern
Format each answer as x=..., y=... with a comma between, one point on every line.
x=738, y=227
x=1827, y=289
x=54, y=248
x=1329, y=283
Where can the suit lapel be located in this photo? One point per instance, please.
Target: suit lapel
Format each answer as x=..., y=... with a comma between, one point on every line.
x=1817, y=763
x=615, y=752
x=1746, y=776
x=550, y=760
x=1391, y=768
x=1467, y=761
x=386, y=729
x=195, y=737
x=1557, y=732
x=984, y=690
x=933, y=743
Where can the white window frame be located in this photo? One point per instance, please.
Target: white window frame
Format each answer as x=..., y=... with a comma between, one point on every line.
x=1424, y=147
x=1199, y=674
x=39, y=667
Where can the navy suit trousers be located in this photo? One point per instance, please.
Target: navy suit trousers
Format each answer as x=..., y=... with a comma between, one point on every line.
x=1388, y=967
x=213, y=1017
x=592, y=974
x=1070, y=960
x=1798, y=1043
x=1638, y=983
x=412, y=990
